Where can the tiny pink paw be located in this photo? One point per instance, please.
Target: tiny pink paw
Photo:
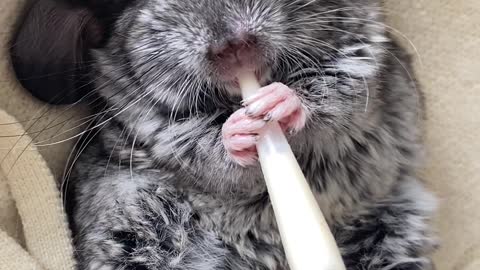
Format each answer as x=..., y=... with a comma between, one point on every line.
x=277, y=102
x=240, y=134
x=241, y=131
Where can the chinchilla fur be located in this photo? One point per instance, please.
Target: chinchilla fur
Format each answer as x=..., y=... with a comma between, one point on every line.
x=153, y=187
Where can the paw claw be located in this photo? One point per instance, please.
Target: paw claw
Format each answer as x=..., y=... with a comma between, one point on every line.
x=277, y=102
x=267, y=117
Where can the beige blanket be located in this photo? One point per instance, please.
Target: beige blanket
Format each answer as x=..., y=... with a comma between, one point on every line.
x=33, y=235
x=446, y=35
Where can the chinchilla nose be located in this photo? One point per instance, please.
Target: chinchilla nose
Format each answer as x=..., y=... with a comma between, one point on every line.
x=238, y=47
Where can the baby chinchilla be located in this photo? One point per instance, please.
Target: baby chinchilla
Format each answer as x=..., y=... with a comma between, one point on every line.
x=167, y=176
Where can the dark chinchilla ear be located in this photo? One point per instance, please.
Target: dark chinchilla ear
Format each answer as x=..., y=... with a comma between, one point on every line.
x=50, y=50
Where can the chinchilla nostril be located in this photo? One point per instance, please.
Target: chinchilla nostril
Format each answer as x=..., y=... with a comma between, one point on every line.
x=232, y=47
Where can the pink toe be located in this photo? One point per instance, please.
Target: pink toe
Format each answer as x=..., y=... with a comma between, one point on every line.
x=244, y=126
x=262, y=106
x=262, y=92
x=241, y=142
x=268, y=98
x=294, y=122
x=298, y=120
x=237, y=116
x=284, y=109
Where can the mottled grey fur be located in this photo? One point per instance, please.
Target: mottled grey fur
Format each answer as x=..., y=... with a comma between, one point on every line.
x=155, y=189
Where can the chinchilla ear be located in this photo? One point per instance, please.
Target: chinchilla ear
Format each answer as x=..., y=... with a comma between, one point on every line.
x=50, y=50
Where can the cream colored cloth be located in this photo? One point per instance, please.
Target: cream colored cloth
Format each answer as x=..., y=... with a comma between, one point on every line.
x=40, y=212
x=446, y=34
x=33, y=229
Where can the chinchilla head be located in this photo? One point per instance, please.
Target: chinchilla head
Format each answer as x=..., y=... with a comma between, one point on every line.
x=199, y=45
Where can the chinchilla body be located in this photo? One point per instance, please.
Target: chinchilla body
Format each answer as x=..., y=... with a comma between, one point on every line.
x=154, y=186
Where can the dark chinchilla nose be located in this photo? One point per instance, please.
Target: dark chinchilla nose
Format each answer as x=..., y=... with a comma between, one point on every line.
x=240, y=48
